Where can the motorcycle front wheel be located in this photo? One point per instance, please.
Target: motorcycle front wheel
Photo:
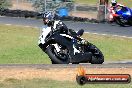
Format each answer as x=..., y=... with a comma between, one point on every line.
x=120, y=21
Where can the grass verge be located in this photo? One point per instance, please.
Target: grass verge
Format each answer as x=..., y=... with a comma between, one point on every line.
x=43, y=83
x=113, y=48
x=95, y=2
x=18, y=45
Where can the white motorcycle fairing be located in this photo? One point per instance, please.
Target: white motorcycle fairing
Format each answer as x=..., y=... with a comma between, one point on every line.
x=44, y=32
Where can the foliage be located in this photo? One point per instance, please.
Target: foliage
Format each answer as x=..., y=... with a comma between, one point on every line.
x=4, y=4
x=42, y=6
x=39, y=5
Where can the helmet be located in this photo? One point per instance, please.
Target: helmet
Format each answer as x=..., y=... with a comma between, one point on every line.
x=113, y=2
x=47, y=17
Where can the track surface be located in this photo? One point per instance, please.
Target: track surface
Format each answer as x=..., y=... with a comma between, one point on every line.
x=88, y=27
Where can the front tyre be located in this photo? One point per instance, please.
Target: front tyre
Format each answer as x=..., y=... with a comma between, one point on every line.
x=55, y=58
x=120, y=21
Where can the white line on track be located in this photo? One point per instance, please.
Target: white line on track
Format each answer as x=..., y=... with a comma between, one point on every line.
x=8, y=24
x=109, y=34
x=21, y=25
x=85, y=32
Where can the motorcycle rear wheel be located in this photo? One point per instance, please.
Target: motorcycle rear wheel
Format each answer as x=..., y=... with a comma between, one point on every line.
x=98, y=57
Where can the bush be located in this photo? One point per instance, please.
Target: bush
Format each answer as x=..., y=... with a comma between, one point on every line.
x=39, y=5
x=4, y=4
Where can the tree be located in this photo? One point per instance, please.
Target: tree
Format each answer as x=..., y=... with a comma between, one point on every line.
x=5, y=4
x=39, y=5
x=51, y=5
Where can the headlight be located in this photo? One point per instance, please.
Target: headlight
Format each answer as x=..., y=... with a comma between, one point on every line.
x=128, y=13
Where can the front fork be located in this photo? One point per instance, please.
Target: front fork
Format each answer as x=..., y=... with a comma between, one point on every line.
x=56, y=47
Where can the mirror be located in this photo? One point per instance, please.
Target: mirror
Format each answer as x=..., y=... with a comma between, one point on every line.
x=80, y=32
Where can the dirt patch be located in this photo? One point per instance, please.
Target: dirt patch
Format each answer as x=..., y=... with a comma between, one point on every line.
x=21, y=5
x=84, y=14
x=66, y=74
x=28, y=6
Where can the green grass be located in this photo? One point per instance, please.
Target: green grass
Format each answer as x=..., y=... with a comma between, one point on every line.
x=113, y=48
x=43, y=83
x=94, y=2
x=89, y=2
x=18, y=45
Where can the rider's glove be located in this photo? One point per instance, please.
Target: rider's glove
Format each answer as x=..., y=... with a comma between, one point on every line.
x=84, y=42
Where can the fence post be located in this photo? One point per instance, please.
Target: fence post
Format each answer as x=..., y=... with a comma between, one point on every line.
x=75, y=7
x=17, y=2
x=102, y=10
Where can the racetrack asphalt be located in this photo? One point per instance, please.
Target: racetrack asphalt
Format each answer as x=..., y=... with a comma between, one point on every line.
x=101, y=28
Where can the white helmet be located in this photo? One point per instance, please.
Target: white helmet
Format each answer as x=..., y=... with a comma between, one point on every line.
x=113, y=2
x=47, y=15
x=47, y=18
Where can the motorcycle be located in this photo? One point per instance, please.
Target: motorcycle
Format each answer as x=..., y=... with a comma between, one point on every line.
x=123, y=16
x=63, y=48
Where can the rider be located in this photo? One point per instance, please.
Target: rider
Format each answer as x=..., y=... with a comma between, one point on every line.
x=112, y=9
x=59, y=26
x=49, y=21
x=56, y=25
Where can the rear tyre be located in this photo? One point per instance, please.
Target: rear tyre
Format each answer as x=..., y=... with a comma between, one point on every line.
x=55, y=59
x=97, y=57
x=96, y=60
x=53, y=62
x=130, y=22
x=75, y=63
